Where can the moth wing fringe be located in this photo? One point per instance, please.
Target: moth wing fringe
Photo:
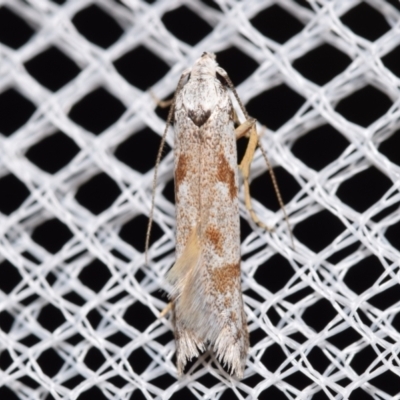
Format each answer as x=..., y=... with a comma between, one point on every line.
x=195, y=320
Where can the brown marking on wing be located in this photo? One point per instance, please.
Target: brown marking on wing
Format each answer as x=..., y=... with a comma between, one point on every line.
x=226, y=175
x=215, y=237
x=234, y=317
x=199, y=117
x=181, y=170
x=226, y=277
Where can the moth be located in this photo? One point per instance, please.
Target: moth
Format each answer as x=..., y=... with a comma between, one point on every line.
x=206, y=296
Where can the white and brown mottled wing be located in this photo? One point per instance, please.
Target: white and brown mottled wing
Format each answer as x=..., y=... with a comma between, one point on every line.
x=208, y=304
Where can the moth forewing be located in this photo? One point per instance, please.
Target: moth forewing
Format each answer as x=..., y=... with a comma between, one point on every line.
x=206, y=295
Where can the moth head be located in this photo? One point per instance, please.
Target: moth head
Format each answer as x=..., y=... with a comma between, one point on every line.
x=207, y=54
x=205, y=65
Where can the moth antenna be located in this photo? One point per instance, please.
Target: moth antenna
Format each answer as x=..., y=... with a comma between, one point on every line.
x=276, y=188
x=158, y=160
x=228, y=81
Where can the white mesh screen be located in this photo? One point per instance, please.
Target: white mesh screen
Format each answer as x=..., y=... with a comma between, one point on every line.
x=78, y=139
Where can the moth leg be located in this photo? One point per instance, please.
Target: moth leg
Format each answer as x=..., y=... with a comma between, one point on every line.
x=161, y=103
x=166, y=309
x=248, y=128
x=244, y=130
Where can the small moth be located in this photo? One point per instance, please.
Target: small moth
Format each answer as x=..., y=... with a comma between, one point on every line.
x=206, y=297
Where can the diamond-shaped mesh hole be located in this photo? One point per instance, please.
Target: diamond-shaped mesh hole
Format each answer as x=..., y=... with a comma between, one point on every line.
x=94, y=359
x=52, y=235
x=366, y=21
x=169, y=191
x=74, y=298
x=274, y=274
x=50, y=318
x=318, y=230
x=14, y=31
x=119, y=339
x=207, y=380
x=98, y=193
x=364, y=106
x=390, y=147
x=388, y=382
x=141, y=68
x=164, y=381
x=273, y=357
x=262, y=189
x=134, y=232
x=298, y=294
x=318, y=315
x=15, y=110
x=28, y=381
x=392, y=234
x=320, y=147
x=14, y=193
x=94, y=317
x=138, y=394
x=53, y=152
x=391, y=61
x=10, y=277
x=364, y=189
x=186, y=25
x=29, y=340
x=97, y=26
x=245, y=230
x=298, y=337
x=277, y=24
x=273, y=316
x=272, y=392
x=52, y=68
x=75, y=339
x=318, y=360
x=28, y=298
x=386, y=298
x=6, y=360
x=30, y=257
x=362, y=359
x=166, y=337
x=92, y=393
x=322, y=64
x=140, y=150
x=363, y=275
x=344, y=338
x=257, y=336
x=241, y=68
x=146, y=316
x=275, y=106
x=95, y=275
x=6, y=321
x=139, y=360
x=298, y=380
x=97, y=111
x=253, y=381
x=117, y=381
x=50, y=362
x=360, y=394
x=76, y=381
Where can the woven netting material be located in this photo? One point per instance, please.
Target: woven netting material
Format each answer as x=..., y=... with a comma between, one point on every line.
x=52, y=196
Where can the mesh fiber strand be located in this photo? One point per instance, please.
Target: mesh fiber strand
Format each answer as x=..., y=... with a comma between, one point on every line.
x=78, y=139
